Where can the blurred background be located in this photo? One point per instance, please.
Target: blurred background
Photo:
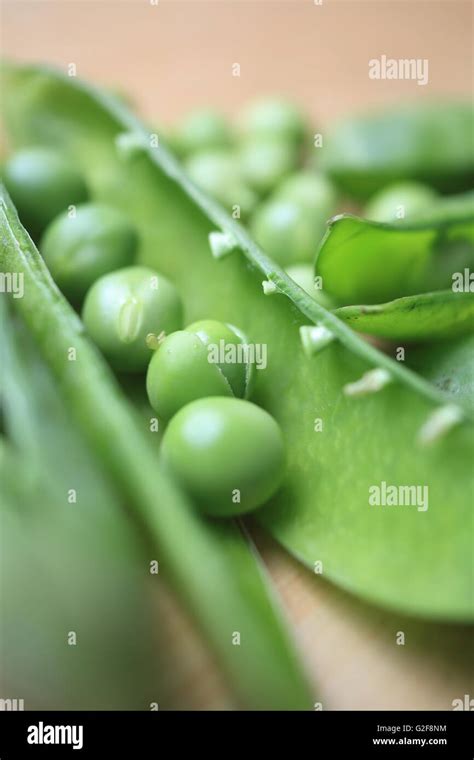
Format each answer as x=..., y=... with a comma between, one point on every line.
x=176, y=55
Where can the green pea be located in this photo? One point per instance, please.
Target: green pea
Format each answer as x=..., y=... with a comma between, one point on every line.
x=314, y=191
x=303, y=275
x=228, y=454
x=123, y=308
x=214, y=334
x=288, y=231
x=403, y=200
x=186, y=366
x=275, y=118
x=201, y=131
x=265, y=162
x=42, y=183
x=80, y=248
x=219, y=174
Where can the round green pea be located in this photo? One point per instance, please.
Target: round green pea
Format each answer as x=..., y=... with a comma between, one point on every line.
x=123, y=308
x=265, y=162
x=42, y=183
x=303, y=275
x=403, y=200
x=201, y=131
x=227, y=453
x=218, y=173
x=80, y=248
x=220, y=338
x=275, y=117
x=314, y=191
x=187, y=366
x=288, y=231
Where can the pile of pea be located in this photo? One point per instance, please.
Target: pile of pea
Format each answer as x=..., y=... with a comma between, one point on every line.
x=227, y=452
x=264, y=172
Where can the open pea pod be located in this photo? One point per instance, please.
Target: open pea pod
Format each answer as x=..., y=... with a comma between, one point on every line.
x=427, y=316
x=429, y=142
x=338, y=446
x=361, y=261
x=209, y=563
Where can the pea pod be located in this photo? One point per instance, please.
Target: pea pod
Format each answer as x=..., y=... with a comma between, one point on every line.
x=426, y=142
x=338, y=446
x=369, y=262
x=209, y=564
x=67, y=549
x=428, y=316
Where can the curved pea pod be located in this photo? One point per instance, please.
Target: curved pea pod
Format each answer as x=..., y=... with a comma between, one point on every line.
x=424, y=317
x=68, y=555
x=339, y=446
x=428, y=142
x=361, y=261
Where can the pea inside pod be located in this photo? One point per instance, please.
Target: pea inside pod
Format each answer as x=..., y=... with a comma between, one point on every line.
x=265, y=162
x=208, y=358
x=227, y=453
x=287, y=230
x=403, y=200
x=275, y=118
x=202, y=130
x=314, y=191
x=42, y=183
x=218, y=173
x=82, y=247
x=122, y=308
x=303, y=275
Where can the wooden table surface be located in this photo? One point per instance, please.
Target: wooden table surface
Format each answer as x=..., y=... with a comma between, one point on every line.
x=177, y=55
